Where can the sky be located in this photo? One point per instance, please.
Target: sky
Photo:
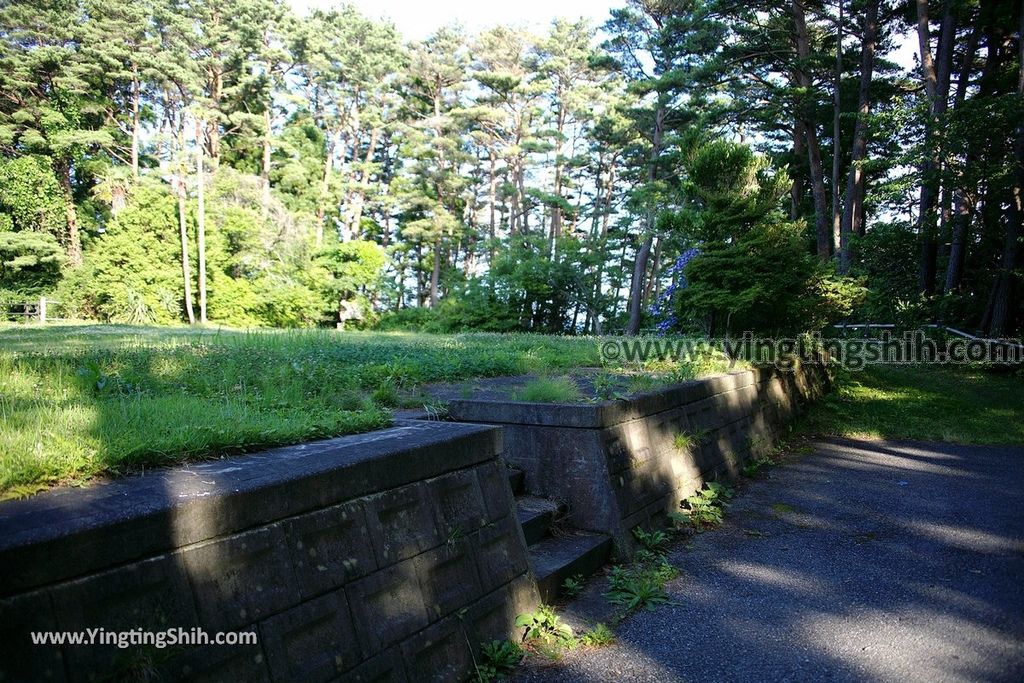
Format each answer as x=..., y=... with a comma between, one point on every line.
x=416, y=19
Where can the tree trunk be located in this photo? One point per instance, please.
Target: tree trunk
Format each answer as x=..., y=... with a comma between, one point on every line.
x=359, y=198
x=854, y=182
x=963, y=203
x=492, y=191
x=936, y=81
x=435, y=273
x=321, y=208
x=556, y=213
x=837, y=132
x=1004, y=300
x=136, y=97
x=186, y=270
x=72, y=239
x=822, y=231
x=636, y=285
x=796, y=192
x=265, y=168
x=201, y=221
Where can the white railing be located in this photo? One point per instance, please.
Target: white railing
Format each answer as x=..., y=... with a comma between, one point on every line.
x=944, y=328
x=38, y=310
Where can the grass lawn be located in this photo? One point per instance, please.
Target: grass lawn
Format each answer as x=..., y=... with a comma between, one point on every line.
x=78, y=401
x=927, y=402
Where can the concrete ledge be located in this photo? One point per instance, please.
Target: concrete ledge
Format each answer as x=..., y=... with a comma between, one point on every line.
x=133, y=517
x=393, y=554
x=602, y=414
x=617, y=465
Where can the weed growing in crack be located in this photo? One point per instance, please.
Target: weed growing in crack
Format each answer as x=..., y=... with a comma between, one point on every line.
x=499, y=659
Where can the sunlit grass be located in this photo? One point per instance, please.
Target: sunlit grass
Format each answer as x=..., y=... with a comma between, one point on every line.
x=926, y=402
x=77, y=401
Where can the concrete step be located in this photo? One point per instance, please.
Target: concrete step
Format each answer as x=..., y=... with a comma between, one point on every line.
x=516, y=479
x=536, y=516
x=557, y=558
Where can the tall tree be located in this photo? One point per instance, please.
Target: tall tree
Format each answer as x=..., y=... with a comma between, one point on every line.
x=855, y=179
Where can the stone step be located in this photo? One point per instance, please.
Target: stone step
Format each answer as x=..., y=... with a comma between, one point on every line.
x=536, y=516
x=516, y=479
x=557, y=558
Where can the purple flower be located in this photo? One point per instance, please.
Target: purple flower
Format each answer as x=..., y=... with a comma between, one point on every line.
x=662, y=308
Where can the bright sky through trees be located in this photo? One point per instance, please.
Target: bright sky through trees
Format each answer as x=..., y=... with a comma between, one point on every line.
x=418, y=19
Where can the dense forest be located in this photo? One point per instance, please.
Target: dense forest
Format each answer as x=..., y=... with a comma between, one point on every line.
x=701, y=166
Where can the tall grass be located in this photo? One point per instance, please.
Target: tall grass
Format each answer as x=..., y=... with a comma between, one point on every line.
x=81, y=401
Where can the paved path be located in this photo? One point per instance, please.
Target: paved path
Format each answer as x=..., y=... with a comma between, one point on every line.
x=893, y=561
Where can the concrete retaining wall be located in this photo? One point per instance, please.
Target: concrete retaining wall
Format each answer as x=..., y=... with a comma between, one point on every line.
x=384, y=556
x=616, y=465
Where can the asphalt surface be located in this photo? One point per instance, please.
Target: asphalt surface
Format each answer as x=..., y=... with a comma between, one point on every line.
x=863, y=561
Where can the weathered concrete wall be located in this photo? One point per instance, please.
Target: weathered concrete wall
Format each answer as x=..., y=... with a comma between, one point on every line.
x=616, y=465
x=384, y=556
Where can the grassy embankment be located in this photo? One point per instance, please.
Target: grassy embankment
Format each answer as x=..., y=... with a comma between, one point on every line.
x=925, y=402
x=81, y=401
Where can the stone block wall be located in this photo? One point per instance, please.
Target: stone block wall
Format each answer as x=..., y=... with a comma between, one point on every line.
x=616, y=464
x=388, y=556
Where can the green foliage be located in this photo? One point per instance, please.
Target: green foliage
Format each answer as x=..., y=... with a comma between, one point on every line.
x=606, y=386
x=386, y=395
x=572, y=585
x=30, y=195
x=731, y=189
x=684, y=442
x=135, y=273
x=177, y=394
x=755, y=465
x=753, y=270
x=549, y=390
x=599, y=636
x=546, y=627
x=764, y=281
x=901, y=402
x=499, y=659
x=640, y=586
x=888, y=264
x=704, y=508
x=29, y=262
x=653, y=541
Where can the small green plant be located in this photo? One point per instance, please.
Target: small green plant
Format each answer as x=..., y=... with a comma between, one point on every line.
x=599, y=636
x=684, y=442
x=640, y=586
x=754, y=465
x=499, y=659
x=643, y=382
x=549, y=390
x=454, y=536
x=653, y=541
x=704, y=508
x=436, y=411
x=572, y=585
x=761, y=446
x=386, y=395
x=604, y=386
x=546, y=627
x=679, y=519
